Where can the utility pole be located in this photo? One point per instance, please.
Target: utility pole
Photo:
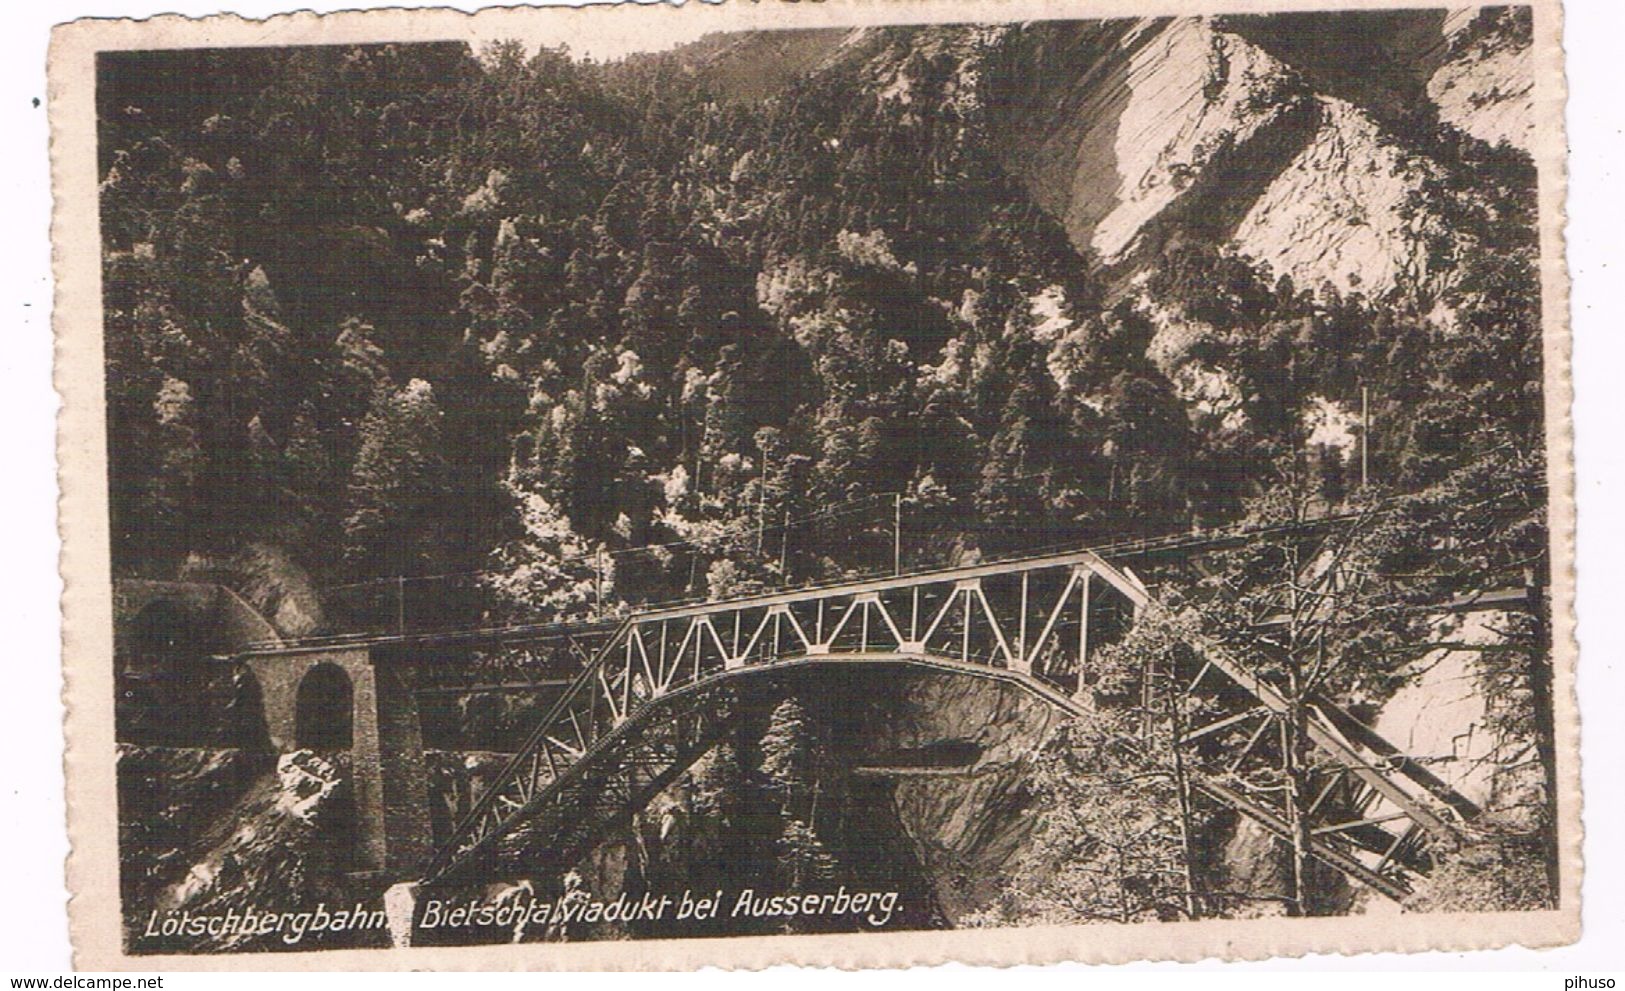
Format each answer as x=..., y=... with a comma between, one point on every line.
x=598, y=583
x=400, y=604
x=897, y=534
x=1365, y=436
x=784, y=546
x=761, y=504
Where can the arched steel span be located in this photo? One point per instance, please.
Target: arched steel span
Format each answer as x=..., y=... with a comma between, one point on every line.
x=614, y=738
x=642, y=754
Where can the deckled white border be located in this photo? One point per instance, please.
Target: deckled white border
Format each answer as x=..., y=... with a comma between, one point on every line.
x=87, y=636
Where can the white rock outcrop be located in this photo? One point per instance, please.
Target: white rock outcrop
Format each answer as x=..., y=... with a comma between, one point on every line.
x=1192, y=92
x=1344, y=211
x=1487, y=87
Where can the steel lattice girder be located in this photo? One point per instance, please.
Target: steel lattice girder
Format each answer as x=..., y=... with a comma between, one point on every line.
x=562, y=821
x=1031, y=620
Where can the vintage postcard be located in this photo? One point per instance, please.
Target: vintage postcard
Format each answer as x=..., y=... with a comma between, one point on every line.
x=857, y=484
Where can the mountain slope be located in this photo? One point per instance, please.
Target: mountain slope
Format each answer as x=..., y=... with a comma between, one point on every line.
x=1274, y=135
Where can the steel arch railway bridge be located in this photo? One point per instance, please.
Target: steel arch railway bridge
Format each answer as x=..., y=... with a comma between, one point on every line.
x=645, y=706
x=652, y=693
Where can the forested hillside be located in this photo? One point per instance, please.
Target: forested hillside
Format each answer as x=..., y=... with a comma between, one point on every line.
x=417, y=310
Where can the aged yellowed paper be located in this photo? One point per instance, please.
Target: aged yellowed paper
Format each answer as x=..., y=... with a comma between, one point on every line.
x=854, y=484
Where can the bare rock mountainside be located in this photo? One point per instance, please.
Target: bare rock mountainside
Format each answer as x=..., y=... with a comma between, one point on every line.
x=1301, y=141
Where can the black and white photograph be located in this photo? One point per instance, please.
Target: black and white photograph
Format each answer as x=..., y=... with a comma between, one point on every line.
x=1078, y=474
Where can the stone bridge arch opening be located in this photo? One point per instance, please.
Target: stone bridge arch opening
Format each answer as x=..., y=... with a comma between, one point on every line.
x=324, y=710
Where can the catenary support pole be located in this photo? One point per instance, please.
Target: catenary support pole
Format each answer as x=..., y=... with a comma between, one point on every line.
x=897, y=534
x=1365, y=436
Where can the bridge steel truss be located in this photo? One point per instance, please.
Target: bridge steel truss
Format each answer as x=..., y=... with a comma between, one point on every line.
x=657, y=693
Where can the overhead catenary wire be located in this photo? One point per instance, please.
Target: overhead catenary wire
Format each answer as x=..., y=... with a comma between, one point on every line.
x=1172, y=541
x=728, y=538
x=891, y=500
x=722, y=537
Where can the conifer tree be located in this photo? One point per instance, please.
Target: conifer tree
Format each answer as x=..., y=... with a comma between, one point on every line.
x=788, y=753
x=397, y=510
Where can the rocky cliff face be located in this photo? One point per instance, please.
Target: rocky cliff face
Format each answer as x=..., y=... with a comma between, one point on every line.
x=1485, y=87
x=1344, y=212
x=1274, y=137
x=1268, y=136
x=1114, y=124
x=965, y=824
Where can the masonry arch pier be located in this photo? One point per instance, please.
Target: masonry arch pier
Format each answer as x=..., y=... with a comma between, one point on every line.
x=357, y=700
